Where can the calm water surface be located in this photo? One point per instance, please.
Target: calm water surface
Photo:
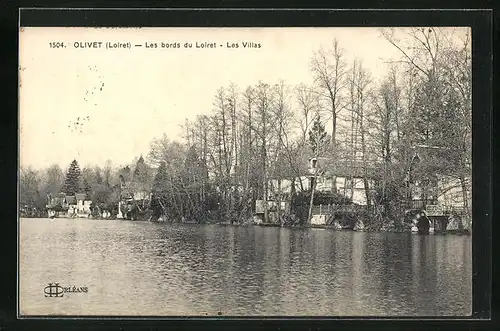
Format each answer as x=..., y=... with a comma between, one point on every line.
x=141, y=268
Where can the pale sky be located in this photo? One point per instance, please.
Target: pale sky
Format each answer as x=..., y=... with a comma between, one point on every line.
x=150, y=91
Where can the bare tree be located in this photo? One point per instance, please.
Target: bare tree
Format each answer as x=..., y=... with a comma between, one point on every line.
x=248, y=127
x=283, y=119
x=330, y=70
x=360, y=94
x=420, y=48
x=29, y=186
x=441, y=67
x=53, y=179
x=263, y=100
x=458, y=73
x=307, y=101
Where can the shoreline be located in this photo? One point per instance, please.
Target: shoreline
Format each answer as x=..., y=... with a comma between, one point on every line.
x=464, y=232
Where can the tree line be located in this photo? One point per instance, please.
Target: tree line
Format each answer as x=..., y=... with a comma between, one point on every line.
x=101, y=185
x=257, y=136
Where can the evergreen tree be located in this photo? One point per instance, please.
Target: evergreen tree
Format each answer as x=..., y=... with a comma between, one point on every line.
x=318, y=137
x=160, y=179
x=72, y=183
x=140, y=178
x=318, y=141
x=141, y=171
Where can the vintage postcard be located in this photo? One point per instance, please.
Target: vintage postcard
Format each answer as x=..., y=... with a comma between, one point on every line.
x=245, y=171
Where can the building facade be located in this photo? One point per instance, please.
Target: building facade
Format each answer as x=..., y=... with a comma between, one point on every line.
x=339, y=177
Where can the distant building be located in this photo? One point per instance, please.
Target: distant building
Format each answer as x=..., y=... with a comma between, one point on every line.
x=72, y=204
x=443, y=189
x=82, y=204
x=342, y=177
x=130, y=195
x=68, y=205
x=451, y=192
x=57, y=200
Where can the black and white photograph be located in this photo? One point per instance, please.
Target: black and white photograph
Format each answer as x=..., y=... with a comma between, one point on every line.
x=245, y=171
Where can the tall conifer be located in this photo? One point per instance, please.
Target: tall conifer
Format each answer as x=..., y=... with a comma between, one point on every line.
x=72, y=183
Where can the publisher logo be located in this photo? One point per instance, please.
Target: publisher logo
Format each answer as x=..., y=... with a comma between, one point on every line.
x=54, y=290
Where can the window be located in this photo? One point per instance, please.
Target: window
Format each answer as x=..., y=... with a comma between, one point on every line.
x=349, y=182
x=313, y=163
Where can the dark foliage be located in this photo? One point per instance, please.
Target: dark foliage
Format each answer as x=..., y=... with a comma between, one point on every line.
x=72, y=183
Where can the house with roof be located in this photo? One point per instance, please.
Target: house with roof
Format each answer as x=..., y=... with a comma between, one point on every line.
x=82, y=205
x=71, y=201
x=131, y=195
x=57, y=205
x=78, y=205
x=62, y=205
x=433, y=181
x=429, y=179
x=342, y=177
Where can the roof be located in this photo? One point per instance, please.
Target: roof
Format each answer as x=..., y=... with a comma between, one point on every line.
x=344, y=168
x=71, y=199
x=80, y=196
x=355, y=170
x=56, y=201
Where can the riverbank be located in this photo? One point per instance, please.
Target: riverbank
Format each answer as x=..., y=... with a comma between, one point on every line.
x=331, y=227
x=386, y=229
x=334, y=228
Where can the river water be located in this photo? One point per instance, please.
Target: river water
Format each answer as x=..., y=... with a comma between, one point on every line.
x=141, y=268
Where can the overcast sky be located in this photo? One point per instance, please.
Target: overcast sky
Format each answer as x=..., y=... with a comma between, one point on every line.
x=123, y=98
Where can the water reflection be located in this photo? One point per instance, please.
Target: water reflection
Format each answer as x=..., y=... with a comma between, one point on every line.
x=138, y=268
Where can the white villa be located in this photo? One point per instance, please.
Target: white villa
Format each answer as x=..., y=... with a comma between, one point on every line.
x=346, y=178
x=343, y=178
x=69, y=205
